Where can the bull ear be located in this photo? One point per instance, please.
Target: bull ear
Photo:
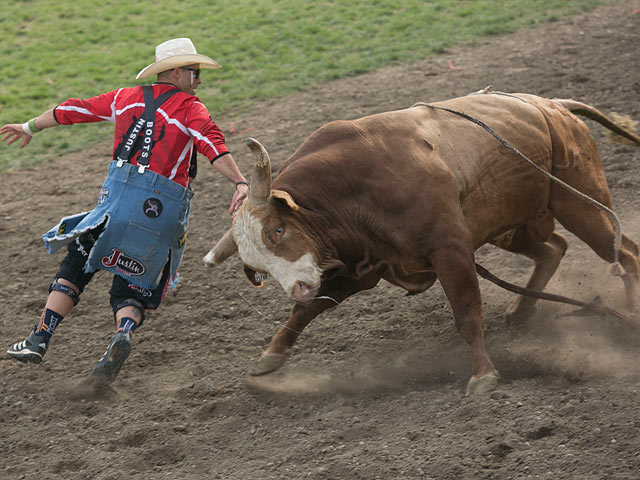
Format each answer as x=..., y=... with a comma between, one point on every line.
x=281, y=196
x=256, y=279
x=222, y=250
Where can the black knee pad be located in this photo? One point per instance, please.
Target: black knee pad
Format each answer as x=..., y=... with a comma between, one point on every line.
x=150, y=299
x=130, y=302
x=72, y=266
x=59, y=287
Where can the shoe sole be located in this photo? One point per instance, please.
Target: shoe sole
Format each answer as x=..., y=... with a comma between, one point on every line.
x=29, y=357
x=111, y=365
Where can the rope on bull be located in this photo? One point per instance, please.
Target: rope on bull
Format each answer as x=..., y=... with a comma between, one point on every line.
x=594, y=307
x=616, y=267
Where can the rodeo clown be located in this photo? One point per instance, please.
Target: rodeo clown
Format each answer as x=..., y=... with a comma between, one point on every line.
x=138, y=229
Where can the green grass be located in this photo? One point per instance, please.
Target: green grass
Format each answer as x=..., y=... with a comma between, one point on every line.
x=55, y=49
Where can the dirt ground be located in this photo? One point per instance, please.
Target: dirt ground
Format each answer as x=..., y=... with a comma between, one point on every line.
x=374, y=388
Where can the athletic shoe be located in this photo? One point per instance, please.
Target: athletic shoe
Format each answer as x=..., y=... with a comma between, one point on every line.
x=31, y=349
x=117, y=352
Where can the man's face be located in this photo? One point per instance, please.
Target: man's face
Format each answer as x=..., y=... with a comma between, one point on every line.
x=188, y=78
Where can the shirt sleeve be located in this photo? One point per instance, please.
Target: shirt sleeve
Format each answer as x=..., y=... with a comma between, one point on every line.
x=208, y=137
x=95, y=109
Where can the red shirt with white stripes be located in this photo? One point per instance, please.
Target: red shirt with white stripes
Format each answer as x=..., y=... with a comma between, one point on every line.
x=182, y=121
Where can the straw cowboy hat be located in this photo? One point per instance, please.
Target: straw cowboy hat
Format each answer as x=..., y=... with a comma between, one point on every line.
x=174, y=53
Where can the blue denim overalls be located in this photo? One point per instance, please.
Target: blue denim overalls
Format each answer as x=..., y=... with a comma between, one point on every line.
x=145, y=214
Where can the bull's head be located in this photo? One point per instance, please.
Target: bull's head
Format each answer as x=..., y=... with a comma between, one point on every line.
x=267, y=237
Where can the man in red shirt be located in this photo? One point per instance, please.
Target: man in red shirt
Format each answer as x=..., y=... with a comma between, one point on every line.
x=158, y=130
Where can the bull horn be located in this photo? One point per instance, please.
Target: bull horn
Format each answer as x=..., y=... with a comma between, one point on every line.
x=222, y=250
x=261, y=176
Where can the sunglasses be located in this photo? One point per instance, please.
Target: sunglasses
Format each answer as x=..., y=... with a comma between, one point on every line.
x=196, y=71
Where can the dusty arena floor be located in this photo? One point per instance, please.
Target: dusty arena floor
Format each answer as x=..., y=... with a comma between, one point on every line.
x=374, y=388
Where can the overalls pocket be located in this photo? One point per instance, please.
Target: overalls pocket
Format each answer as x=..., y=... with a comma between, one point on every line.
x=139, y=242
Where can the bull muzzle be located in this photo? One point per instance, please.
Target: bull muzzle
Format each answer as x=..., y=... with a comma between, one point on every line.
x=303, y=293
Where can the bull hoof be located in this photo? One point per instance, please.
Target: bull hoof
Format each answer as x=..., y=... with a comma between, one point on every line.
x=268, y=363
x=478, y=386
x=517, y=314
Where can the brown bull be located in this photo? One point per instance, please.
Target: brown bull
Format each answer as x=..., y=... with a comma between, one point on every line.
x=409, y=195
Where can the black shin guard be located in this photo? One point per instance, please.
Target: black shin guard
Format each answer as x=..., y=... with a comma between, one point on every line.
x=59, y=287
x=130, y=302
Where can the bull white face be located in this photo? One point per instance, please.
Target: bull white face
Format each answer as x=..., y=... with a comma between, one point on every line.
x=267, y=245
x=268, y=241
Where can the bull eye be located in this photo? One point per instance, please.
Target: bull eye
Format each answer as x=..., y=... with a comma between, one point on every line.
x=274, y=235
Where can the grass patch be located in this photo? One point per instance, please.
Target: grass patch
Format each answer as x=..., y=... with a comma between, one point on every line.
x=56, y=49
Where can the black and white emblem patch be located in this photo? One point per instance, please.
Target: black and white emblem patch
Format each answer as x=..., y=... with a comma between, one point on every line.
x=104, y=193
x=152, y=207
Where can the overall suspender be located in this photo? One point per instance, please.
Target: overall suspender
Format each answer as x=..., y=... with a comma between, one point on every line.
x=143, y=129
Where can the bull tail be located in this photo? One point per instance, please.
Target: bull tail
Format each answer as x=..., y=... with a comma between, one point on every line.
x=594, y=307
x=593, y=113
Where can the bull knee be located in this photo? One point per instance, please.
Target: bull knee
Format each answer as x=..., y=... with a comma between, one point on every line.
x=559, y=242
x=549, y=252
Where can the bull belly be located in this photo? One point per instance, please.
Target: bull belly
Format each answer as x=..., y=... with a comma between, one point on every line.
x=490, y=217
x=412, y=282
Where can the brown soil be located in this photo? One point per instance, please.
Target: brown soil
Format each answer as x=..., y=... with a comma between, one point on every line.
x=374, y=388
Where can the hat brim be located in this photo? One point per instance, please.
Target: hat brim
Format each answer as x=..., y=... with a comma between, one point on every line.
x=176, y=61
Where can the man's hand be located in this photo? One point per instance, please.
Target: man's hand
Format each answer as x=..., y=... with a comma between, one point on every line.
x=13, y=132
x=240, y=194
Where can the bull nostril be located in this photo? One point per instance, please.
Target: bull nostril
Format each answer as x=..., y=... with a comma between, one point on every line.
x=302, y=291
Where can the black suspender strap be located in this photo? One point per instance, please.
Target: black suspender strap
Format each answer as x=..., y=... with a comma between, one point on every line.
x=142, y=130
x=149, y=117
x=193, y=164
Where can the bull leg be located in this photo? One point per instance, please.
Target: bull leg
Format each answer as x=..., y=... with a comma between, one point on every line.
x=630, y=279
x=595, y=229
x=586, y=174
x=455, y=268
x=547, y=257
x=546, y=248
x=282, y=342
